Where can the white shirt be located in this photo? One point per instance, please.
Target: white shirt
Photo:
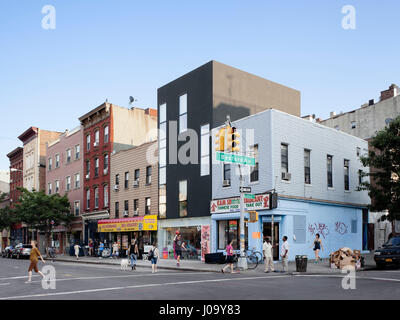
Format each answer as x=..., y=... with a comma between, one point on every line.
x=155, y=252
x=267, y=248
x=285, y=246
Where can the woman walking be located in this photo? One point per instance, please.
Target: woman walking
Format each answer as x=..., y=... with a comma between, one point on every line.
x=90, y=247
x=229, y=257
x=178, y=249
x=35, y=254
x=317, y=247
x=154, y=258
x=133, y=253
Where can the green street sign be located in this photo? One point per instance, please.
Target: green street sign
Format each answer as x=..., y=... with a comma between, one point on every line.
x=235, y=158
x=249, y=196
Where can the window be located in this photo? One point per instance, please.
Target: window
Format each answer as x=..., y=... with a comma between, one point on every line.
x=230, y=229
x=148, y=205
x=88, y=142
x=353, y=124
x=96, y=197
x=57, y=186
x=57, y=160
x=77, y=180
x=148, y=175
x=77, y=151
x=346, y=175
x=77, y=207
x=106, y=134
x=117, y=210
x=105, y=164
x=205, y=150
x=68, y=183
x=254, y=170
x=88, y=199
x=227, y=175
x=50, y=163
x=162, y=201
x=353, y=226
x=163, y=176
x=284, y=160
x=96, y=167
x=358, y=151
x=183, y=113
x=68, y=155
x=307, y=166
x=87, y=169
x=183, y=198
x=117, y=179
x=126, y=207
x=49, y=188
x=163, y=113
x=96, y=138
x=105, y=193
x=329, y=171
x=136, y=206
x=137, y=175
x=360, y=176
x=126, y=180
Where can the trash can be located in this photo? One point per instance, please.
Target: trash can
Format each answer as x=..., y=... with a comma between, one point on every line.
x=301, y=263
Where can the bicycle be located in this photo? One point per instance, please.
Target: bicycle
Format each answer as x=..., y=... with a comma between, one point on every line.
x=51, y=253
x=253, y=259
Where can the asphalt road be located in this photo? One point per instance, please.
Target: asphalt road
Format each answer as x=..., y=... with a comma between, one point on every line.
x=85, y=281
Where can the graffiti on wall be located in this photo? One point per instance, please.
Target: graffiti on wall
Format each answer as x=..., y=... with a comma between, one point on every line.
x=341, y=227
x=320, y=228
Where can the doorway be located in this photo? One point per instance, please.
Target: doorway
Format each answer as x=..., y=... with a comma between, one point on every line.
x=267, y=227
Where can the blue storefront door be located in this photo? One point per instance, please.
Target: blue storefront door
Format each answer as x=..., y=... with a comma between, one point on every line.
x=267, y=232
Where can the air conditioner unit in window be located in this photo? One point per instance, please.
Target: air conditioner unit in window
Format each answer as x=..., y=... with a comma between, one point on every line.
x=136, y=183
x=126, y=213
x=116, y=187
x=105, y=171
x=226, y=183
x=286, y=176
x=149, y=180
x=95, y=144
x=87, y=176
x=136, y=212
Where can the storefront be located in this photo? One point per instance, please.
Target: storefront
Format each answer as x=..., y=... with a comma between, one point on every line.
x=195, y=233
x=339, y=225
x=125, y=230
x=90, y=221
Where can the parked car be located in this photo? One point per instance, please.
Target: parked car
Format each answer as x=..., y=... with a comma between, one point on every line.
x=6, y=253
x=389, y=254
x=21, y=251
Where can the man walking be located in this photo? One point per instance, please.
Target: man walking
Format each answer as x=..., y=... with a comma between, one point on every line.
x=267, y=251
x=284, y=254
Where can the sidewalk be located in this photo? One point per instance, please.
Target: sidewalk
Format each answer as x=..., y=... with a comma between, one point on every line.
x=322, y=267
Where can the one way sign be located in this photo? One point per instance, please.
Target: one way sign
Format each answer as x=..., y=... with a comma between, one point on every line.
x=245, y=189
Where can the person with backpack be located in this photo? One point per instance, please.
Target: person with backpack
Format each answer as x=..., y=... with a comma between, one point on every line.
x=178, y=249
x=153, y=257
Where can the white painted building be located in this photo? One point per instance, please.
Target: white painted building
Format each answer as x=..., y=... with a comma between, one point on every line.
x=307, y=164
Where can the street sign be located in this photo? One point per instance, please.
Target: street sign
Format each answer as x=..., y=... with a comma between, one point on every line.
x=245, y=189
x=235, y=158
x=249, y=196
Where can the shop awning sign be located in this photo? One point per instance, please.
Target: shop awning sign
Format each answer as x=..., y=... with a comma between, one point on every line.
x=144, y=223
x=260, y=202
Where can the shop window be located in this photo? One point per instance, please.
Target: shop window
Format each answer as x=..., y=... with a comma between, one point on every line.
x=183, y=198
x=230, y=229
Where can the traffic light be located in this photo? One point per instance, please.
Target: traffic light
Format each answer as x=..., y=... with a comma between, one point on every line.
x=220, y=140
x=231, y=139
x=253, y=215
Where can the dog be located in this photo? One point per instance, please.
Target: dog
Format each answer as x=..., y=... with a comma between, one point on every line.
x=124, y=264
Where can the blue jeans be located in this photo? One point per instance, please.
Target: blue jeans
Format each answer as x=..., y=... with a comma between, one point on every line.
x=133, y=259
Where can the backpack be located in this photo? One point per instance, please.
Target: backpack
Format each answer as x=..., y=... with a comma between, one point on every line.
x=150, y=255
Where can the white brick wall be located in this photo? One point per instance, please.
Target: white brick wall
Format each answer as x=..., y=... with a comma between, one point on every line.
x=271, y=128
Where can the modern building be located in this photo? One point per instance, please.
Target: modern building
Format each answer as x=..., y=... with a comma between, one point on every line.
x=64, y=173
x=17, y=232
x=364, y=123
x=34, y=165
x=108, y=129
x=314, y=170
x=189, y=107
x=133, y=197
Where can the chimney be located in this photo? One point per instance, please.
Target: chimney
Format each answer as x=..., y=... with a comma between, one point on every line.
x=371, y=102
x=332, y=114
x=152, y=112
x=390, y=93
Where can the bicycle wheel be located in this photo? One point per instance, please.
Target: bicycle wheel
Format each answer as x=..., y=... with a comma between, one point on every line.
x=253, y=260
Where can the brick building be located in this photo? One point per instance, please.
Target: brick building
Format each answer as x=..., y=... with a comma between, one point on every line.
x=108, y=129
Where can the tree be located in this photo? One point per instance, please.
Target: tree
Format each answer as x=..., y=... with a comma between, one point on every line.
x=43, y=212
x=384, y=161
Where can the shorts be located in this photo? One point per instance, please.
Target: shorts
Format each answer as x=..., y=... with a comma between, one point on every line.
x=153, y=260
x=229, y=259
x=33, y=266
x=178, y=252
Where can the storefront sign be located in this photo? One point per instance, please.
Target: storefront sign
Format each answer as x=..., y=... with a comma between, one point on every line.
x=144, y=223
x=260, y=202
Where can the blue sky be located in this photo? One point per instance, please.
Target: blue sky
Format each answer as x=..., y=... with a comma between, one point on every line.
x=113, y=49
